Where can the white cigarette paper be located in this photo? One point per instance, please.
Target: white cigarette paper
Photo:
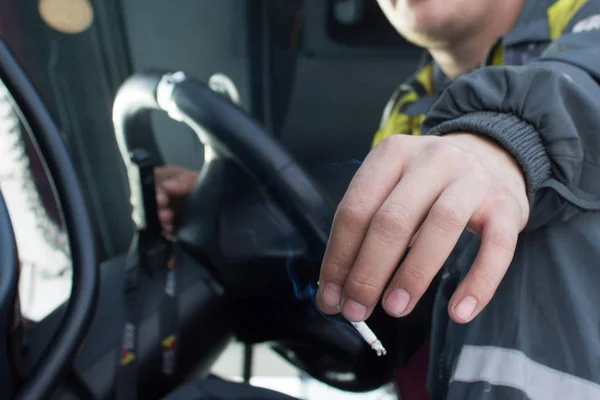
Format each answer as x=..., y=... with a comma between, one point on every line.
x=369, y=336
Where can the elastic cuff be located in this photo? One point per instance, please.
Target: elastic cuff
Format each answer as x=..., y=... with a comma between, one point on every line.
x=518, y=137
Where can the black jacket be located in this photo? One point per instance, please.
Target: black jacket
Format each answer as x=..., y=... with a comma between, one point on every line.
x=539, y=338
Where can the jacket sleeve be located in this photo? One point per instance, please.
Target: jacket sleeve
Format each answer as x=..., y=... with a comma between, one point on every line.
x=545, y=113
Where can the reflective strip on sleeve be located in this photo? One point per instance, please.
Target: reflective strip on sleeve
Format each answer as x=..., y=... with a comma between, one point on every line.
x=512, y=368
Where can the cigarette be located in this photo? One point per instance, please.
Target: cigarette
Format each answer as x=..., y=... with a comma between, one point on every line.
x=369, y=336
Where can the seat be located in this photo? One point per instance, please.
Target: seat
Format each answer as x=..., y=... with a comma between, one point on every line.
x=215, y=388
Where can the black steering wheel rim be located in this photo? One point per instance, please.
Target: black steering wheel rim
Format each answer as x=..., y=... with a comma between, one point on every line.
x=189, y=101
x=56, y=360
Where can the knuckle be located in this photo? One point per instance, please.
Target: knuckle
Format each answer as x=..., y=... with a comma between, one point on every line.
x=432, y=148
x=440, y=150
x=389, y=147
x=503, y=242
x=391, y=143
x=471, y=167
x=351, y=217
x=470, y=160
x=448, y=215
x=165, y=214
x=495, y=204
x=502, y=200
x=335, y=269
x=480, y=178
x=486, y=282
x=414, y=275
x=393, y=223
x=508, y=204
x=363, y=288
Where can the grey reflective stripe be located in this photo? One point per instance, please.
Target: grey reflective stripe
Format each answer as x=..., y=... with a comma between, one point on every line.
x=512, y=368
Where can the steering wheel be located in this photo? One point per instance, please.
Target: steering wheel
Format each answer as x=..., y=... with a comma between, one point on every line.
x=56, y=359
x=228, y=135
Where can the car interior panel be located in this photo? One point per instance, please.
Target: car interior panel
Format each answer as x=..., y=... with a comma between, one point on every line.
x=107, y=105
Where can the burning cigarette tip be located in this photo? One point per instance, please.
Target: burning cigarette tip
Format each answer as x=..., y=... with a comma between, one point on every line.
x=369, y=336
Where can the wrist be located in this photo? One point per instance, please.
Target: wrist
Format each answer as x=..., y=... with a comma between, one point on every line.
x=490, y=151
x=516, y=136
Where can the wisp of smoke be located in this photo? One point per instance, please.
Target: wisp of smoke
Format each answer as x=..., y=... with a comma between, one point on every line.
x=304, y=276
x=305, y=289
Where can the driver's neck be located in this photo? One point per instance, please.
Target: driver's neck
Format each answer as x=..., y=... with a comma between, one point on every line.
x=459, y=57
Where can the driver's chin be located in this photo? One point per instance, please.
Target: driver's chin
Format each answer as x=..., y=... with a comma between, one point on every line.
x=426, y=23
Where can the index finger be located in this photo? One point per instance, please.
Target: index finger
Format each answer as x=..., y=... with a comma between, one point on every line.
x=371, y=185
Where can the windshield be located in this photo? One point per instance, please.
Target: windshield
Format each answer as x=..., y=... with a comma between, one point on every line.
x=45, y=277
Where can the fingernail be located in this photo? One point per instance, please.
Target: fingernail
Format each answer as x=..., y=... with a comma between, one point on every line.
x=331, y=294
x=465, y=308
x=396, y=302
x=354, y=311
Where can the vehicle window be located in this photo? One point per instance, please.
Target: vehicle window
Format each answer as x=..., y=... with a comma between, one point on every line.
x=45, y=278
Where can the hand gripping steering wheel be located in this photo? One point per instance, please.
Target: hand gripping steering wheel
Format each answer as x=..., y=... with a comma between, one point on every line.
x=56, y=359
x=226, y=133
